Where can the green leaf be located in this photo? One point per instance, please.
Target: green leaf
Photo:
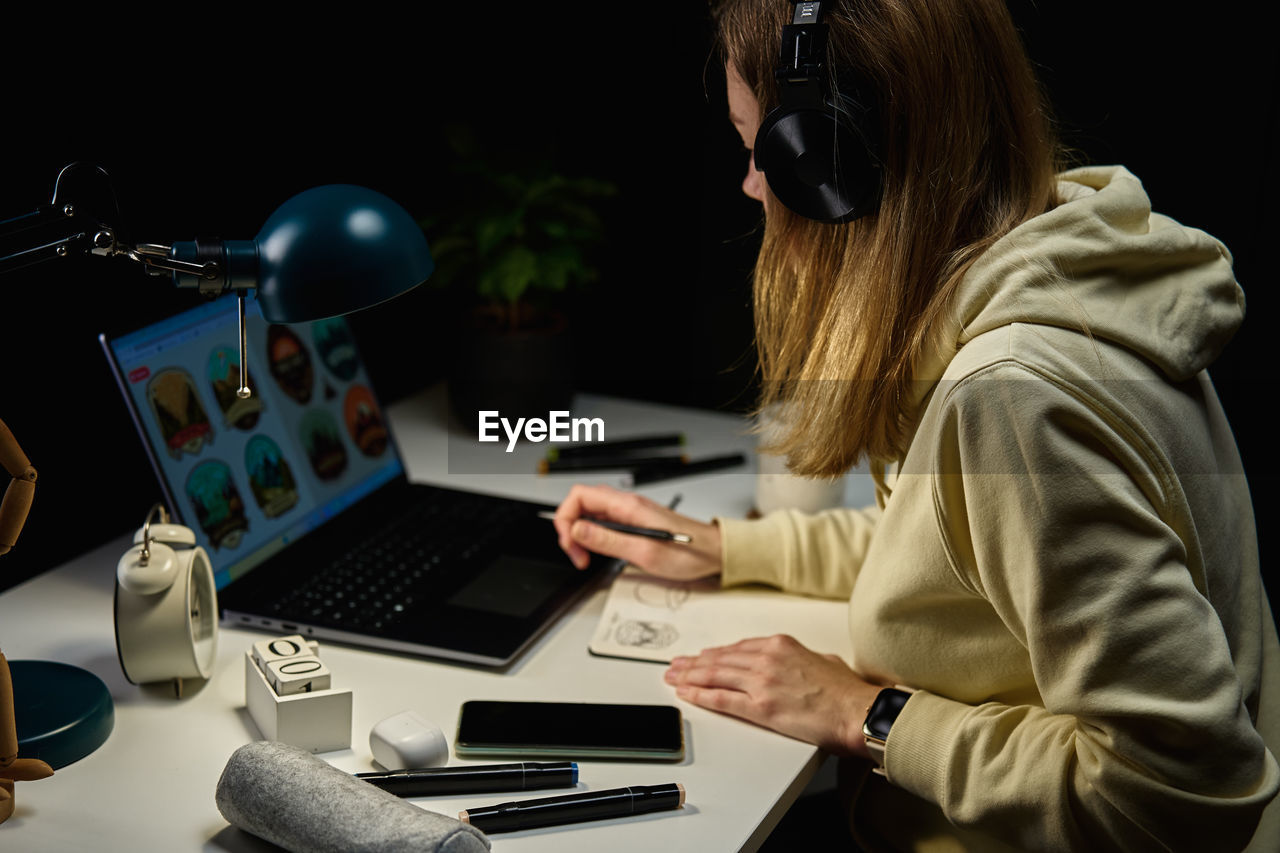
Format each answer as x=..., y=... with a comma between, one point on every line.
x=492, y=231
x=510, y=275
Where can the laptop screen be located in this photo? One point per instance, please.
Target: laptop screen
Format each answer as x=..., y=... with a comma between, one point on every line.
x=249, y=476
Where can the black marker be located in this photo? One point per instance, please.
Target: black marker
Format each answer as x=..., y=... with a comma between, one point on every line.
x=607, y=448
x=574, y=808
x=605, y=463
x=476, y=778
x=657, y=473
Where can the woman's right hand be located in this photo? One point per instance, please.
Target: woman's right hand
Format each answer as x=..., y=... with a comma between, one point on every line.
x=699, y=558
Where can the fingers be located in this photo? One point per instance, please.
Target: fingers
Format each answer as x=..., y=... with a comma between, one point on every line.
x=608, y=502
x=778, y=683
x=577, y=537
x=735, y=703
x=755, y=668
x=738, y=684
x=736, y=672
x=774, y=644
x=633, y=549
x=745, y=668
x=581, y=500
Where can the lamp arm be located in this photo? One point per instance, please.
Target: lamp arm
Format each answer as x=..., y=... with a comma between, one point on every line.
x=78, y=222
x=84, y=218
x=51, y=232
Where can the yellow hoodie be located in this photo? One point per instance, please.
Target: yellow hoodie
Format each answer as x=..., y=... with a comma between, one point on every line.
x=1065, y=564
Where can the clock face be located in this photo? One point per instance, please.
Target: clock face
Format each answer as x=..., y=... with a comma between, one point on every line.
x=203, y=612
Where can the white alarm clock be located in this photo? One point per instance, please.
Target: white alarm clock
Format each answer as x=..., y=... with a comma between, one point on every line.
x=166, y=607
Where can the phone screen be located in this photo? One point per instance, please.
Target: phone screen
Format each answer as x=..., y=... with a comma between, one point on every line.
x=570, y=729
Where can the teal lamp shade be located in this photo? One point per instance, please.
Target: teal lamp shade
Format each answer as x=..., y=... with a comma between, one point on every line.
x=327, y=251
x=335, y=249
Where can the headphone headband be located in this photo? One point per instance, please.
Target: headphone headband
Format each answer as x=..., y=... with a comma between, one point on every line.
x=803, y=52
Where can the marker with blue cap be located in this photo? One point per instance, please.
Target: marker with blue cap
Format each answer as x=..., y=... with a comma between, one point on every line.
x=476, y=778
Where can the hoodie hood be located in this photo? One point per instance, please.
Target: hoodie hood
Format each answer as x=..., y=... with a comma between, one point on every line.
x=1101, y=261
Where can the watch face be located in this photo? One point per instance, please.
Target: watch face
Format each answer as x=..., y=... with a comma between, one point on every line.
x=883, y=712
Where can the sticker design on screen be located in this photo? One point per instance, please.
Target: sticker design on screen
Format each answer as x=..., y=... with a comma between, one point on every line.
x=217, y=503
x=290, y=363
x=364, y=421
x=270, y=477
x=175, y=405
x=224, y=376
x=336, y=347
x=323, y=444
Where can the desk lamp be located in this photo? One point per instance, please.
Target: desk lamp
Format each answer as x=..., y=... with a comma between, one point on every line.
x=327, y=251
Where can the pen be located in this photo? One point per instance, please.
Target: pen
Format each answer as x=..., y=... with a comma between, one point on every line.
x=476, y=778
x=594, y=463
x=572, y=808
x=657, y=473
x=607, y=448
x=651, y=532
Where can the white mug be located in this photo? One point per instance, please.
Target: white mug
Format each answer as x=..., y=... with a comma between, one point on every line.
x=778, y=488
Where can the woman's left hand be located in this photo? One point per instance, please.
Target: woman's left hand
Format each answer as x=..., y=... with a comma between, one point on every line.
x=777, y=683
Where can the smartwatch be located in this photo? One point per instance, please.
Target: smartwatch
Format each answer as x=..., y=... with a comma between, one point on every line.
x=880, y=718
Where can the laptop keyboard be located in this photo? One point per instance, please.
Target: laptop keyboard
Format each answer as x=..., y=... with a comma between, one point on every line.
x=415, y=553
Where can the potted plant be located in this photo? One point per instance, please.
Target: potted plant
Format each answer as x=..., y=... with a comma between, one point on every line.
x=511, y=246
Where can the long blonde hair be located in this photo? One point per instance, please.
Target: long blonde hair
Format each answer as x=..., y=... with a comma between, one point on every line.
x=845, y=313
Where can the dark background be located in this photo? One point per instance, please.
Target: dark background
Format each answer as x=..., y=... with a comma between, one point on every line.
x=205, y=131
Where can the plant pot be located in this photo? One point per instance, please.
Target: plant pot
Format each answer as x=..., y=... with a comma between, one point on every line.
x=523, y=374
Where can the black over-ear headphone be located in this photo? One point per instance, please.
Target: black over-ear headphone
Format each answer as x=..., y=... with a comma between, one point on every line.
x=818, y=147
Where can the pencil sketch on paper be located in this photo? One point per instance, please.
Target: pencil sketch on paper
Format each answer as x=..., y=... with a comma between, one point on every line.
x=645, y=634
x=663, y=594
x=651, y=618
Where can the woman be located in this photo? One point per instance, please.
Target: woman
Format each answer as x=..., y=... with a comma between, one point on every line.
x=1061, y=576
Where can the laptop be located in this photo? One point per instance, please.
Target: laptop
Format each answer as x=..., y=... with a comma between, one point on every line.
x=300, y=496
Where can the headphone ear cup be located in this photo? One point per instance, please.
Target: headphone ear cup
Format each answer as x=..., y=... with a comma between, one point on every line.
x=818, y=164
x=156, y=576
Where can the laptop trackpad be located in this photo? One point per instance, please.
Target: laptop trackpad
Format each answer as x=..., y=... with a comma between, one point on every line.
x=513, y=586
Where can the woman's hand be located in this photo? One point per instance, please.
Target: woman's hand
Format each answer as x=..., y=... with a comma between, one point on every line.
x=699, y=558
x=777, y=683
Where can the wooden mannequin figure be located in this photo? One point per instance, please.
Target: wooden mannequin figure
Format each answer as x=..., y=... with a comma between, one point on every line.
x=12, y=768
x=13, y=512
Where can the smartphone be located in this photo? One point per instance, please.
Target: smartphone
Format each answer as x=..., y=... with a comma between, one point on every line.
x=569, y=730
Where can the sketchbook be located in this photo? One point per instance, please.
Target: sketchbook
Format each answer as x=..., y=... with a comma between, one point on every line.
x=650, y=618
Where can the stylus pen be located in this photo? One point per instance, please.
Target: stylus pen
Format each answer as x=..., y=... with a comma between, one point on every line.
x=658, y=473
x=476, y=778
x=651, y=532
x=609, y=448
x=601, y=463
x=573, y=808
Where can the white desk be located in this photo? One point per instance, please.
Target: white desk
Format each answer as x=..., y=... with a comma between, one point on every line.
x=151, y=785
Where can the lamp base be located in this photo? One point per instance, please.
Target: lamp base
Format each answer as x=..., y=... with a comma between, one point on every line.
x=63, y=712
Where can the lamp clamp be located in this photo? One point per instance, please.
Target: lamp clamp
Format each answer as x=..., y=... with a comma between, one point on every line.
x=155, y=258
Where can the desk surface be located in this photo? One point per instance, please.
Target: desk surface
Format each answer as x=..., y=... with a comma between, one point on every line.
x=151, y=785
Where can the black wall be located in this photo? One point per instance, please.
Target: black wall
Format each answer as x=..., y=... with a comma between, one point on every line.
x=208, y=133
